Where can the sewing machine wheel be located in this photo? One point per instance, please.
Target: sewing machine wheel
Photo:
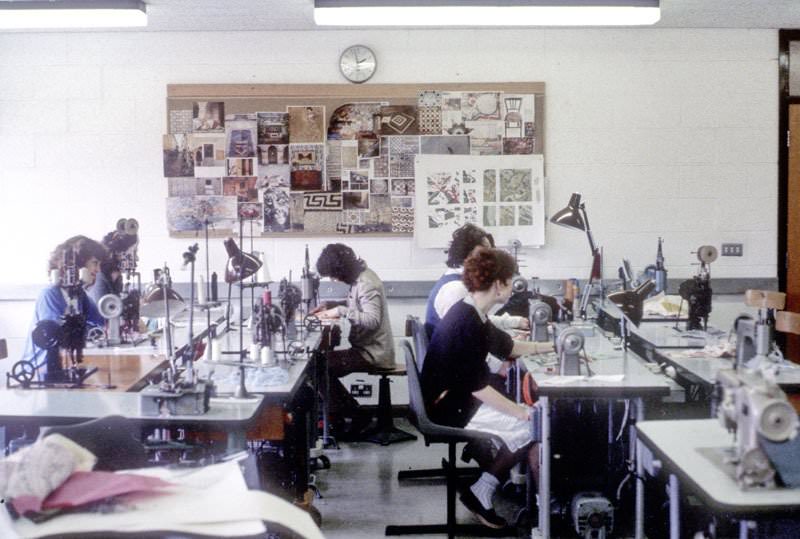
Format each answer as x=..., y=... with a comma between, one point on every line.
x=96, y=336
x=754, y=469
x=47, y=334
x=570, y=341
x=23, y=372
x=778, y=421
x=707, y=253
x=312, y=323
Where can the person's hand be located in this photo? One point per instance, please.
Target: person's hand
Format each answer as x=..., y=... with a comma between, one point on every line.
x=328, y=314
x=524, y=323
x=521, y=335
x=503, y=371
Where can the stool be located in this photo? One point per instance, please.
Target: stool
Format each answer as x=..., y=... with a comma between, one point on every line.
x=385, y=432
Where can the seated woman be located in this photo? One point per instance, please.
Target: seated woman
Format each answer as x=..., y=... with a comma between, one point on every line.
x=52, y=301
x=371, y=341
x=455, y=376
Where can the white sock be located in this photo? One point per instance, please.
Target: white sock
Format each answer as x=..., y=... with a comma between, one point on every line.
x=484, y=488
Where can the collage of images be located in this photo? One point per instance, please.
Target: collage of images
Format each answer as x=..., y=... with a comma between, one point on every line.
x=350, y=171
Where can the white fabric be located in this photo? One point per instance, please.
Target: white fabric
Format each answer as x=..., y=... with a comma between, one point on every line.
x=515, y=433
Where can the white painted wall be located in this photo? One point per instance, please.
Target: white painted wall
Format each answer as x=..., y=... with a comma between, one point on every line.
x=669, y=132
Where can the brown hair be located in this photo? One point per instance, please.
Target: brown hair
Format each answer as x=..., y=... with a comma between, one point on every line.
x=465, y=239
x=84, y=248
x=485, y=266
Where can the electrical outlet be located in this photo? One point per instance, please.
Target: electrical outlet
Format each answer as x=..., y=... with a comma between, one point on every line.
x=361, y=390
x=732, y=249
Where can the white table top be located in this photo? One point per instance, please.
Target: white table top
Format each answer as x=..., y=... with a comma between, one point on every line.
x=693, y=449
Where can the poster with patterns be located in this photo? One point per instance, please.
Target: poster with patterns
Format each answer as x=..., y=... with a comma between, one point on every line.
x=502, y=194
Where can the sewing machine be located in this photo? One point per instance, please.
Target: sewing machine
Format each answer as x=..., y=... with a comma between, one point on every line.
x=755, y=337
x=697, y=290
x=754, y=408
x=569, y=345
x=541, y=314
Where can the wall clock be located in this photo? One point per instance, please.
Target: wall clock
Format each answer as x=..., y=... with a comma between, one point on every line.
x=358, y=63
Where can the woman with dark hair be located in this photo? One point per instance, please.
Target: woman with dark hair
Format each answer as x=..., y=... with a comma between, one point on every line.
x=53, y=301
x=371, y=342
x=450, y=288
x=455, y=376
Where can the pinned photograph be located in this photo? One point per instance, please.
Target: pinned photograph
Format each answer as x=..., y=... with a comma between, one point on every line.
x=379, y=216
x=185, y=214
x=398, y=120
x=350, y=119
x=471, y=215
x=349, y=154
x=444, y=217
x=276, y=209
x=306, y=180
x=306, y=167
x=486, y=146
x=402, y=219
x=518, y=146
x=251, y=211
x=368, y=145
x=306, y=124
x=470, y=196
x=402, y=202
x=181, y=187
x=333, y=159
x=379, y=186
x=273, y=127
x=180, y=121
x=353, y=217
x=489, y=216
x=402, y=152
x=506, y=215
x=297, y=211
x=355, y=200
x=515, y=185
x=490, y=185
x=525, y=216
x=241, y=167
x=240, y=133
x=445, y=145
x=209, y=154
x=178, y=157
x=244, y=189
x=468, y=176
x=322, y=201
x=517, y=111
x=380, y=165
x=219, y=211
x=273, y=154
x=443, y=189
x=402, y=187
x=273, y=176
x=359, y=180
x=208, y=116
x=480, y=106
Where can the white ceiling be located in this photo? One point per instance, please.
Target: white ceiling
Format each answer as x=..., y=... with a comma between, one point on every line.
x=232, y=15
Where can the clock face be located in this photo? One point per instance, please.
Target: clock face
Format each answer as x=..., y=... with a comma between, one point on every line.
x=358, y=63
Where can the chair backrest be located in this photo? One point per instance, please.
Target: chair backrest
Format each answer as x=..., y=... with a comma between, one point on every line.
x=420, y=338
x=419, y=416
x=112, y=439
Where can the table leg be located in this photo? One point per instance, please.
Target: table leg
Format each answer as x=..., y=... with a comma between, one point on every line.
x=674, y=508
x=635, y=453
x=544, y=470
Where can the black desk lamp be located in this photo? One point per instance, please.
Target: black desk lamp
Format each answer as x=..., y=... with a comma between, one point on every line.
x=574, y=217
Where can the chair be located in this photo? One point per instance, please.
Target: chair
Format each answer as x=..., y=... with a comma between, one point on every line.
x=385, y=432
x=112, y=439
x=419, y=336
x=435, y=433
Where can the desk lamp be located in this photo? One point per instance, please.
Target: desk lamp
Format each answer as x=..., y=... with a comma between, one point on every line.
x=240, y=266
x=161, y=300
x=574, y=217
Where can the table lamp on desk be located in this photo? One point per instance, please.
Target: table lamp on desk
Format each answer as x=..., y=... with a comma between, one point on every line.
x=574, y=217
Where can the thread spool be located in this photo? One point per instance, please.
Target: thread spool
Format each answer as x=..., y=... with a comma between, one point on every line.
x=263, y=271
x=201, y=290
x=216, y=353
x=266, y=297
x=267, y=359
x=255, y=351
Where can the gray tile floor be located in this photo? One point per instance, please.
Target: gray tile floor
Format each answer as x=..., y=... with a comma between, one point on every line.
x=361, y=493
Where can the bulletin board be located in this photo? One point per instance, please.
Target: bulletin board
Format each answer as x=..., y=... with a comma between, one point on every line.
x=322, y=160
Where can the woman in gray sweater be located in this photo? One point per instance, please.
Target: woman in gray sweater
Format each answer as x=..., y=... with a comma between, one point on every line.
x=371, y=342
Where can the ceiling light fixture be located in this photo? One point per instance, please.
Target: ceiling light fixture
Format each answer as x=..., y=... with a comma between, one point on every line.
x=72, y=14
x=486, y=12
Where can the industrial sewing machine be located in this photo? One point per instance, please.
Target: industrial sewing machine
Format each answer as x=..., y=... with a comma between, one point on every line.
x=697, y=290
x=539, y=318
x=63, y=339
x=752, y=406
x=755, y=337
x=570, y=351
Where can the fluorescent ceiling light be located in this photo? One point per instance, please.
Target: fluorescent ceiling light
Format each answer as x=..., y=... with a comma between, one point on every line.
x=486, y=12
x=72, y=14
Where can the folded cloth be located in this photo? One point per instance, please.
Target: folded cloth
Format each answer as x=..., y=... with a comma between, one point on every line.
x=666, y=306
x=31, y=474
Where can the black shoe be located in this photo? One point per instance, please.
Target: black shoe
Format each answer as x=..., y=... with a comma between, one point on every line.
x=488, y=517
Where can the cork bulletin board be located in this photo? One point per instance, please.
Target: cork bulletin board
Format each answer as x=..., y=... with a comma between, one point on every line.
x=323, y=160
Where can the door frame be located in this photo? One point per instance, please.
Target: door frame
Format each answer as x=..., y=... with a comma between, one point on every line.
x=785, y=100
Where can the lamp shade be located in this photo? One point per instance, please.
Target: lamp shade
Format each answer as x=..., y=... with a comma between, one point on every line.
x=240, y=265
x=152, y=305
x=570, y=217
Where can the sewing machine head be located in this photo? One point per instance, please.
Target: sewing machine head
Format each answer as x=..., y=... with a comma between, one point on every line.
x=755, y=337
x=757, y=410
x=569, y=344
x=541, y=314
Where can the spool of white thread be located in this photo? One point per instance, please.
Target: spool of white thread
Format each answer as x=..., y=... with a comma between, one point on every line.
x=266, y=356
x=201, y=290
x=216, y=353
x=255, y=351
